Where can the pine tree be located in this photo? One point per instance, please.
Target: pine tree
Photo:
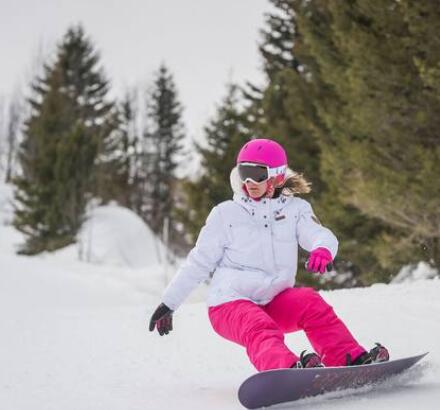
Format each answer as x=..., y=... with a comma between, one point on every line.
x=379, y=62
x=119, y=158
x=163, y=143
x=68, y=126
x=296, y=107
x=287, y=104
x=224, y=136
x=279, y=36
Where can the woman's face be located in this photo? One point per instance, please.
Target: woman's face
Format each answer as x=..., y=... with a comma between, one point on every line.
x=256, y=190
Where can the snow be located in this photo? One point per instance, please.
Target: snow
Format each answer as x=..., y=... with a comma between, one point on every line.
x=411, y=273
x=116, y=235
x=74, y=334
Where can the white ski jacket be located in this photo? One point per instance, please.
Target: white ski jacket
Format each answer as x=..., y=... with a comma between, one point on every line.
x=251, y=247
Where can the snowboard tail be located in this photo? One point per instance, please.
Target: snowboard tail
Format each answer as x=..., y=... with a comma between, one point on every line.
x=284, y=385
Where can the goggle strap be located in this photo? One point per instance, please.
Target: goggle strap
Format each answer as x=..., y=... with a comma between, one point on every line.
x=273, y=172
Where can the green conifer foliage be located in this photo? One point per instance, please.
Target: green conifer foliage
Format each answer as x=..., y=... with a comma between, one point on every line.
x=288, y=101
x=279, y=36
x=300, y=105
x=163, y=144
x=62, y=137
x=225, y=135
x=379, y=61
x=119, y=162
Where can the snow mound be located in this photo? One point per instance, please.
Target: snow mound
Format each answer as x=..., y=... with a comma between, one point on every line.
x=111, y=235
x=412, y=273
x=117, y=236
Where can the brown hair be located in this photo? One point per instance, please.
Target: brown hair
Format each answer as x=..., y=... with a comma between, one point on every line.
x=294, y=184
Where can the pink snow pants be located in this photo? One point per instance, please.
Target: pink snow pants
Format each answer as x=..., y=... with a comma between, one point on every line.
x=260, y=329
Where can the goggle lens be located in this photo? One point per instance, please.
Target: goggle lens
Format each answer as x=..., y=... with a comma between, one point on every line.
x=256, y=173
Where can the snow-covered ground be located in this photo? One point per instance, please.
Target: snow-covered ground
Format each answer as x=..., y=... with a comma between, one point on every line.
x=73, y=334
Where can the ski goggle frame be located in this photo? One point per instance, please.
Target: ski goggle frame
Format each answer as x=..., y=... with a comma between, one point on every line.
x=258, y=173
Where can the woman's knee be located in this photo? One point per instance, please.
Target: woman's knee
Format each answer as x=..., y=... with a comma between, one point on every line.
x=311, y=295
x=314, y=308
x=241, y=321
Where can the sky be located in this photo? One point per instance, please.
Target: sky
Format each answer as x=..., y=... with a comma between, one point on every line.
x=205, y=44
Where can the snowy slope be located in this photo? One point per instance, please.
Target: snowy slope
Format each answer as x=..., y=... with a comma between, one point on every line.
x=74, y=337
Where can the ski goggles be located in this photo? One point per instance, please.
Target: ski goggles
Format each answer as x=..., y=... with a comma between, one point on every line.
x=258, y=173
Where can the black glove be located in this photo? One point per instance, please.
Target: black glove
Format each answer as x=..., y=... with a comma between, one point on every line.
x=163, y=319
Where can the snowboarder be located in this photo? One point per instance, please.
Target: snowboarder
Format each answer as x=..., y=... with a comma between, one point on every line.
x=250, y=246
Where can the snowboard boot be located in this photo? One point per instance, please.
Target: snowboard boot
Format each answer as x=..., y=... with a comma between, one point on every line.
x=379, y=354
x=307, y=361
x=376, y=355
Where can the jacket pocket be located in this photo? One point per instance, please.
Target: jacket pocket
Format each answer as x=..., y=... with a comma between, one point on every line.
x=286, y=254
x=244, y=250
x=284, y=230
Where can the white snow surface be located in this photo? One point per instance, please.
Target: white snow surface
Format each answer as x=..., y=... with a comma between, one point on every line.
x=74, y=337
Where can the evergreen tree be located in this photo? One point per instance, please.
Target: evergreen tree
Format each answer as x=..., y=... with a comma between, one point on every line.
x=68, y=126
x=224, y=136
x=119, y=159
x=287, y=103
x=164, y=136
x=379, y=62
x=279, y=37
x=296, y=106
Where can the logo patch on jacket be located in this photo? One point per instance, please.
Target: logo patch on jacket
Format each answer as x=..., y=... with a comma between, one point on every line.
x=279, y=216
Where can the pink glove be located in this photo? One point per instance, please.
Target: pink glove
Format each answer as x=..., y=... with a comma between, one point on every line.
x=319, y=259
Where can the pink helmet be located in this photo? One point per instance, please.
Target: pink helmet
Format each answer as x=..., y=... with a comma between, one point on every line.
x=263, y=151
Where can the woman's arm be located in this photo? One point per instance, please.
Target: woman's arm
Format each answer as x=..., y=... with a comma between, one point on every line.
x=200, y=262
x=311, y=234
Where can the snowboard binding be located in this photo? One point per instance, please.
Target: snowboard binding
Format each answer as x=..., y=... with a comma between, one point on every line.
x=308, y=360
x=378, y=354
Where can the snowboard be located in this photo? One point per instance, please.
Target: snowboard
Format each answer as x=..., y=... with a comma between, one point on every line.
x=284, y=385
